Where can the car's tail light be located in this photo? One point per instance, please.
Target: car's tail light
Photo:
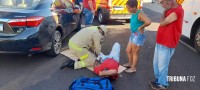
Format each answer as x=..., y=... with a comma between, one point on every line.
x=29, y=22
x=36, y=48
x=17, y=22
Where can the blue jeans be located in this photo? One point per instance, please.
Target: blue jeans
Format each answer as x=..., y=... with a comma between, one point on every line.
x=115, y=53
x=89, y=16
x=137, y=38
x=162, y=56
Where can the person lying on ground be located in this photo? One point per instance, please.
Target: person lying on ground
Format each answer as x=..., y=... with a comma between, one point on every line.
x=108, y=64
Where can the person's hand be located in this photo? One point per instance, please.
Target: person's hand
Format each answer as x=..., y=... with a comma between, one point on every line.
x=141, y=30
x=98, y=58
x=163, y=15
x=93, y=11
x=92, y=50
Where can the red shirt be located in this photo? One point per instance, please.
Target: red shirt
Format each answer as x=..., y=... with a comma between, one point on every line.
x=169, y=35
x=86, y=5
x=107, y=64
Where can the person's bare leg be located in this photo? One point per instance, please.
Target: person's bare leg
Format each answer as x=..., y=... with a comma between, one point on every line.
x=108, y=72
x=135, y=57
x=135, y=52
x=129, y=54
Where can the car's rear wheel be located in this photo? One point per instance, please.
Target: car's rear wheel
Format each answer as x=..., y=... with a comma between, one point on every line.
x=56, y=44
x=102, y=17
x=197, y=40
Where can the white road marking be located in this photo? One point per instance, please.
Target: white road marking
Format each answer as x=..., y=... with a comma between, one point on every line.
x=188, y=46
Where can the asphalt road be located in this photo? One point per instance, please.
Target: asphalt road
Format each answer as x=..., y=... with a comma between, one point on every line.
x=40, y=72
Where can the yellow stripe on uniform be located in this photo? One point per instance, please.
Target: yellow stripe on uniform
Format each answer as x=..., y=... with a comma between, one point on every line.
x=82, y=63
x=74, y=46
x=78, y=49
x=84, y=56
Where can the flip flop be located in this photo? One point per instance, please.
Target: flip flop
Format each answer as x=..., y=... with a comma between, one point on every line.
x=126, y=65
x=130, y=70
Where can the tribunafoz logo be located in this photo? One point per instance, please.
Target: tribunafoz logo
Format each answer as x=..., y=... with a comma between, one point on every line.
x=181, y=78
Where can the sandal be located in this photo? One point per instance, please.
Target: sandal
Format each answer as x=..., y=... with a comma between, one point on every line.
x=126, y=65
x=130, y=70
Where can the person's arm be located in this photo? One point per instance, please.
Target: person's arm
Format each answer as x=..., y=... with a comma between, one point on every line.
x=110, y=72
x=163, y=15
x=81, y=5
x=169, y=19
x=91, y=6
x=96, y=37
x=146, y=21
x=95, y=64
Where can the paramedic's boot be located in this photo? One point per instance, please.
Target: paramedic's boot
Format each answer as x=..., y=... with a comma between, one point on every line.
x=68, y=63
x=64, y=64
x=71, y=64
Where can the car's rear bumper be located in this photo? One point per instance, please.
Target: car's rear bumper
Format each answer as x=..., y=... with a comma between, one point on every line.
x=25, y=42
x=19, y=45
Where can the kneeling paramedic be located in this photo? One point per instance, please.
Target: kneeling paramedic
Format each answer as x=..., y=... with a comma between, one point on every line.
x=85, y=45
x=109, y=63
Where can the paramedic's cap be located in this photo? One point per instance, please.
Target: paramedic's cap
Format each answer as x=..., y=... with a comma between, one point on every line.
x=105, y=30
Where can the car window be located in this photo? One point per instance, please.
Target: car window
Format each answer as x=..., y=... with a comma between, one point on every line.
x=18, y=3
